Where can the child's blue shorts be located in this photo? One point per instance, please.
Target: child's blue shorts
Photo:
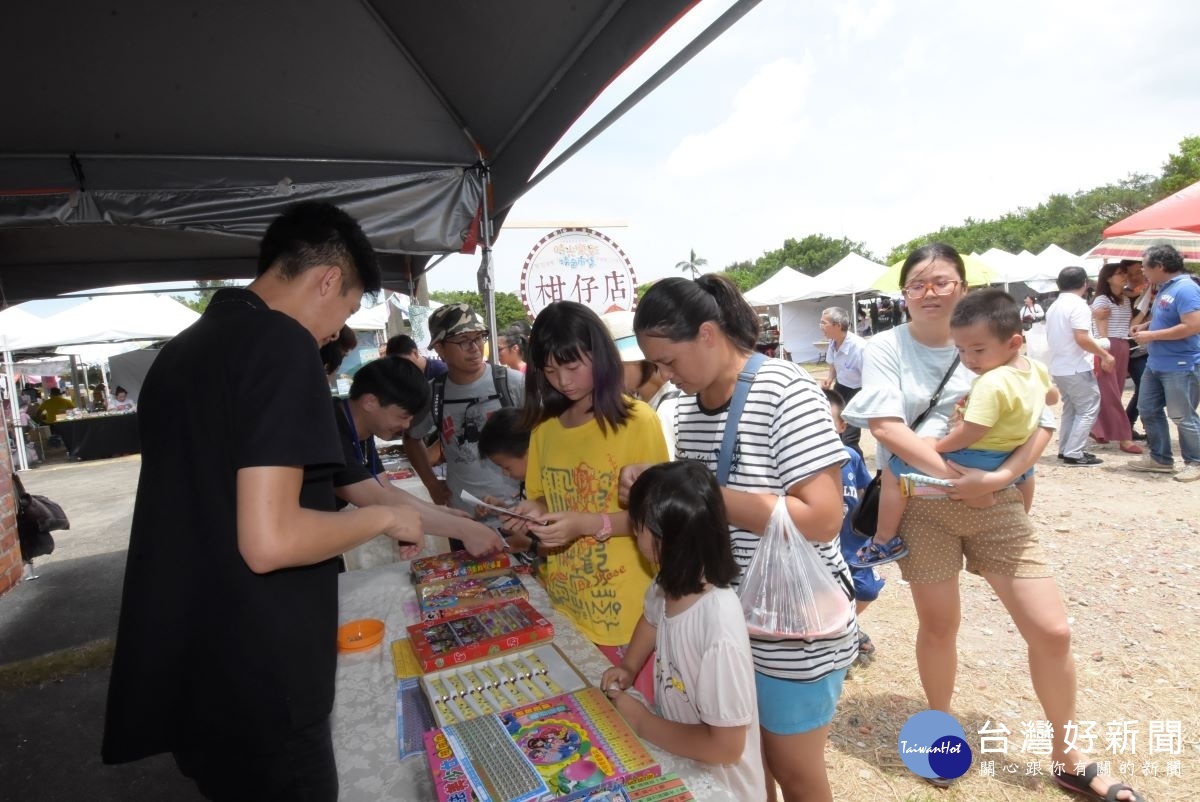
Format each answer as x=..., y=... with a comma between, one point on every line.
x=967, y=457
x=867, y=582
x=789, y=707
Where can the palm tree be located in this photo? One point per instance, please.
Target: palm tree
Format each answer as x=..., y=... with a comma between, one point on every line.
x=694, y=263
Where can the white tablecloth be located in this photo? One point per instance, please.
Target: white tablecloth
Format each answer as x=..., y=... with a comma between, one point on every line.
x=364, y=710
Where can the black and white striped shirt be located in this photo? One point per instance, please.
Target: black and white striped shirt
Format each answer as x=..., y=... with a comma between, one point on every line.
x=785, y=435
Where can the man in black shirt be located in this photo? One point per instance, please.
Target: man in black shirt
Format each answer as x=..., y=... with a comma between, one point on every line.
x=226, y=645
x=385, y=397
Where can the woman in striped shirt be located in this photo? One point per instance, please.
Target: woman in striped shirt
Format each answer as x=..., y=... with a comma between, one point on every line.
x=1111, y=311
x=700, y=335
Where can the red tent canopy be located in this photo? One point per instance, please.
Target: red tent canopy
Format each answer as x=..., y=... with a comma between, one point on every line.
x=1180, y=211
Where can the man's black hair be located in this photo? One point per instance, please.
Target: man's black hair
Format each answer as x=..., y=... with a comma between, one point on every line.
x=314, y=233
x=393, y=380
x=401, y=345
x=503, y=434
x=1071, y=278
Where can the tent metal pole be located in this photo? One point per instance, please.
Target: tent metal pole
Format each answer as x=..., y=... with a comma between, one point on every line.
x=487, y=273
x=14, y=407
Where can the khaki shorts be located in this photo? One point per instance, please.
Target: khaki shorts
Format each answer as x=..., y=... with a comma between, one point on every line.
x=997, y=540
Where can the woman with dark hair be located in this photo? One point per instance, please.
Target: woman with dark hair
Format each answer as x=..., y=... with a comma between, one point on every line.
x=584, y=429
x=1111, y=313
x=701, y=335
x=511, y=346
x=983, y=521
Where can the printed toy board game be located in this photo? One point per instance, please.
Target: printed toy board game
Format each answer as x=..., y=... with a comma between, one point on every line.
x=442, y=598
x=454, y=563
x=476, y=634
x=567, y=747
x=500, y=683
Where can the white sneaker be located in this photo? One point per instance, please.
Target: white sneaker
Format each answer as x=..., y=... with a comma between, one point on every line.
x=1190, y=473
x=1149, y=465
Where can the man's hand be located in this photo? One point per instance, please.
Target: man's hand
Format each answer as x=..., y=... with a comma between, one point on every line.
x=405, y=527
x=1107, y=362
x=480, y=540
x=827, y=382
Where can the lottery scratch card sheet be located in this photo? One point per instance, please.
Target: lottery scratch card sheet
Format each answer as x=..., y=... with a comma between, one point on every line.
x=454, y=563
x=501, y=683
x=476, y=634
x=575, y=745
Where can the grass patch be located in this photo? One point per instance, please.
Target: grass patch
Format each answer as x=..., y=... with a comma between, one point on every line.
x=57, y=665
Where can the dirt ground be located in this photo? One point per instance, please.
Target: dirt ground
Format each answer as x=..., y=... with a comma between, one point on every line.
x=1125, y=550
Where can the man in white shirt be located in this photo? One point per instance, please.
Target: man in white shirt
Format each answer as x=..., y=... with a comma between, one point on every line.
x=1069, y=335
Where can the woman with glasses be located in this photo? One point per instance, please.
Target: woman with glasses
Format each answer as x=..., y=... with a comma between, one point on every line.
x=511, y=347
x=983, y=520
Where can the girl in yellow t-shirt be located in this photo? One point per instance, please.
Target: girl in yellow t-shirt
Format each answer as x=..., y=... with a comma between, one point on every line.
x=584, y=430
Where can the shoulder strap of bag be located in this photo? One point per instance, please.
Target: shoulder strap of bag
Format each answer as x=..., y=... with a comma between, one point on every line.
x=736, y=404
x=500, y=380
x=437, y=389
x=936, y=394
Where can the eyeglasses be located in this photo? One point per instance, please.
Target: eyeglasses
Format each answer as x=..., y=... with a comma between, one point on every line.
x=468, y=343
x=919, y=289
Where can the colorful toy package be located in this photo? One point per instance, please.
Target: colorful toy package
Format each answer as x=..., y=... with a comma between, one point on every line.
x=442, y=598
x=569, y=747
x=476, y=634
x=454, y=563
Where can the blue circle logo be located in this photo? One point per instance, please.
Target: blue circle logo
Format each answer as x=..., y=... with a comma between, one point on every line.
x=933, y=745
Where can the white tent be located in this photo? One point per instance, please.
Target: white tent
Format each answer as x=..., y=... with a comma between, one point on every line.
x=787, y=284
x=15, y=324
x=853, y=275
x=112, y=318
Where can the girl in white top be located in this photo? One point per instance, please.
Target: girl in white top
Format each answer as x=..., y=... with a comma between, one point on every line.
x=692, y=622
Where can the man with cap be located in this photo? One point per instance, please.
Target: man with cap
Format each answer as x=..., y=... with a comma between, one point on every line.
x=462, y=401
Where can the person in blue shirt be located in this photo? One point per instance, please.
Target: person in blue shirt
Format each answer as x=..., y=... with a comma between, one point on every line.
x=855, y=478
x=1171, y=382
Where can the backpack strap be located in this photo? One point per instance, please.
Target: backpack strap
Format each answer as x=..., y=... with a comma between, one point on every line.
x=736, y=404
x=437, y=390
x=500, y=380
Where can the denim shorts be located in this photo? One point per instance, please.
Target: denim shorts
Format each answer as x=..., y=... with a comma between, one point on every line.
x=790, y=707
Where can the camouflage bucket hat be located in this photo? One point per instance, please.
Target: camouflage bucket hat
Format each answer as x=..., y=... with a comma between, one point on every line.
x=451, y=319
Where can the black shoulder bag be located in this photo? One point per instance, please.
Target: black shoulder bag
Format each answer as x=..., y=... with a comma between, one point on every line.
x=37, y=517
x=866, y=514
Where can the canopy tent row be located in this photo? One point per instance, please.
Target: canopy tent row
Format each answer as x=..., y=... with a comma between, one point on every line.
x=133, y=319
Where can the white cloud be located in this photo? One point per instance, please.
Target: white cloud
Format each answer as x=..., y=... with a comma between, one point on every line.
x=863, y=24
x=765, y=125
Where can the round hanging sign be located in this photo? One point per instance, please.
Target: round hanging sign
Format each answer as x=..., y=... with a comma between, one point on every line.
x=578, y=264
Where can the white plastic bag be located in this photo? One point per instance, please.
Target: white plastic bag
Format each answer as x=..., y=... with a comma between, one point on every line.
x=788, y=592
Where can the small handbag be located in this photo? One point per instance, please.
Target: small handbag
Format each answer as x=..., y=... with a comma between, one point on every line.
x=37, y=517
x=866, y=514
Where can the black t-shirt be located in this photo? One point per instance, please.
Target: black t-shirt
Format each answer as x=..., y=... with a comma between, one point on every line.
x=360, y=456
x=208, y=652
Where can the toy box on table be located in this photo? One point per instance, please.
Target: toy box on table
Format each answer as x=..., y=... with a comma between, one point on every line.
x=565, y=747
x=442, y=598
x=476, y=634
x=454, y=563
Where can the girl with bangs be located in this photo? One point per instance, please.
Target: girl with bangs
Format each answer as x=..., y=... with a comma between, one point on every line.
x=584, y=430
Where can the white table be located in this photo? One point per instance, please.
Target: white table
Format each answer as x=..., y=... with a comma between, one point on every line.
x=364, y=710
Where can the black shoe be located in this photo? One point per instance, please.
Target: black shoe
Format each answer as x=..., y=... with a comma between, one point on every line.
x=1139, y=436
x=1063, y=456
x=1086, y=459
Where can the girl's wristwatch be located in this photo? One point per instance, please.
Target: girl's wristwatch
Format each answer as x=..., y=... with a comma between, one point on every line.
x=605, y=528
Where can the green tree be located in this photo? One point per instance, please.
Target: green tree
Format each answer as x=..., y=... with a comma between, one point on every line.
x=693, y=264
x=204, y=293
x=1182, y=169
x=509, y=308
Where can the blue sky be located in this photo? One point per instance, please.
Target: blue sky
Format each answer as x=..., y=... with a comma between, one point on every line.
x=878, y=121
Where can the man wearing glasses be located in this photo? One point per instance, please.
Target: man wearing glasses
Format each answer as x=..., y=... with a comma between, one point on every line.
x=471, y=393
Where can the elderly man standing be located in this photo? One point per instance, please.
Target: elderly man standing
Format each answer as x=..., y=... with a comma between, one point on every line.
x=1172, y=376
x=845, y=358
x=1069, y=335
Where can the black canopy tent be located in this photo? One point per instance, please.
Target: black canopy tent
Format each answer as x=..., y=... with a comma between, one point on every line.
x=151, y=141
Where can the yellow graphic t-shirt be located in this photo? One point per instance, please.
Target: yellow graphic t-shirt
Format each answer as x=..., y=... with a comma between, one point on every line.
x=599, y=586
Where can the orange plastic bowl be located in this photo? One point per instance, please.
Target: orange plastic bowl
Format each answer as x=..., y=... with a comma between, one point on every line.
x=359, y=635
